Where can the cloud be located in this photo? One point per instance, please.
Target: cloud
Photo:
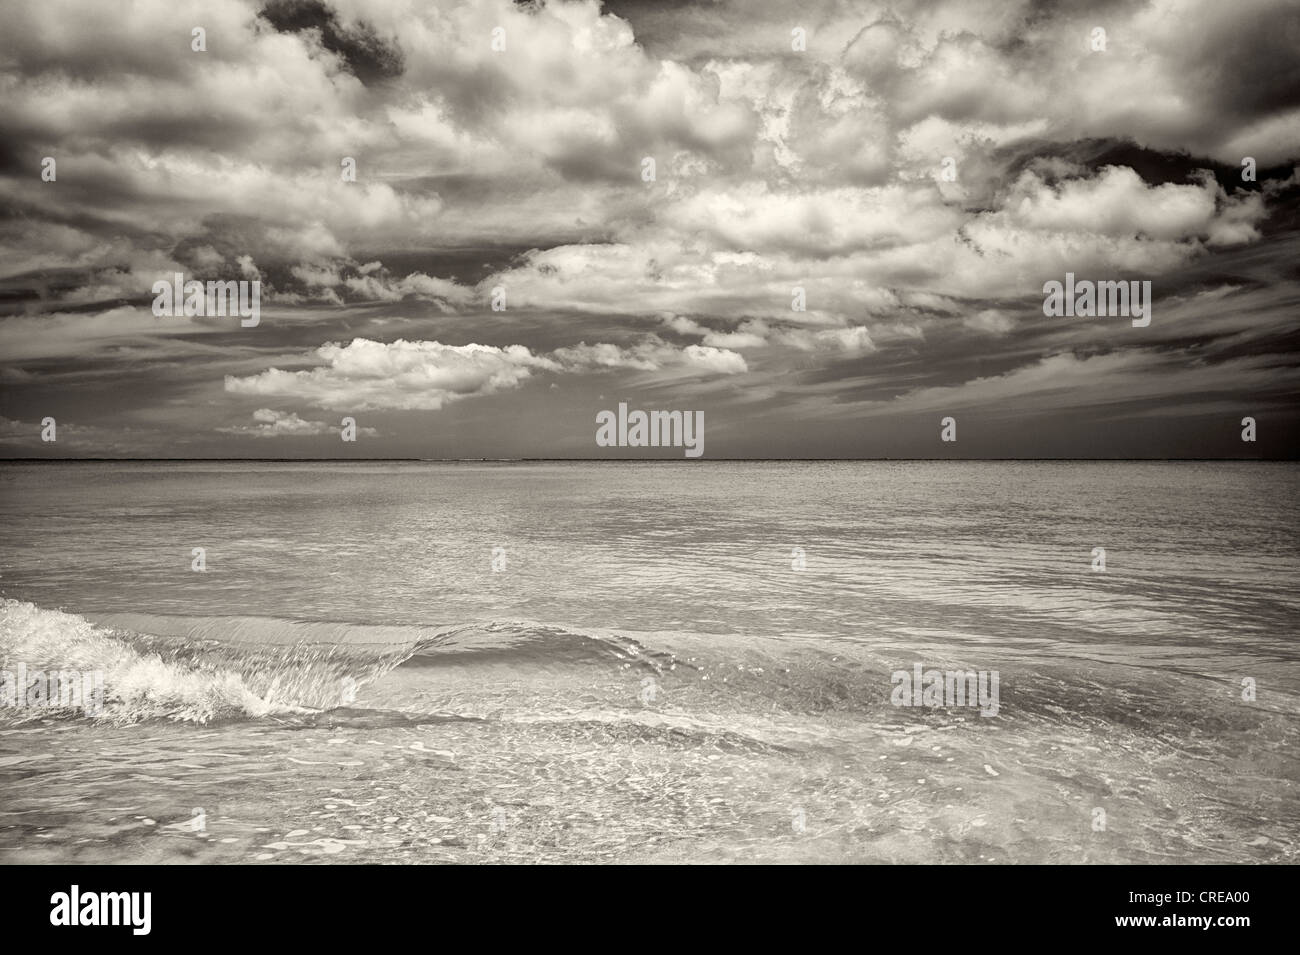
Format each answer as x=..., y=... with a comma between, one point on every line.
x=775, y=166
x=820, y=171
x=856, y=339
x=1067, y=382
x=404, y=375
x=76, y=439
x=71, y=334
x=1117, y=202
x=269, y=423
x=990, y=321
x=364, y=375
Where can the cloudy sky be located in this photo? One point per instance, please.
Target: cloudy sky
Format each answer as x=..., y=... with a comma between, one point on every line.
x=920, y=170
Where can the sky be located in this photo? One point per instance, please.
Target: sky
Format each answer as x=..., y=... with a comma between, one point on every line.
x=917, y=169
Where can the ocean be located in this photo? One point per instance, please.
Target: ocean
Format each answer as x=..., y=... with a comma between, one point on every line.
x=685, y=661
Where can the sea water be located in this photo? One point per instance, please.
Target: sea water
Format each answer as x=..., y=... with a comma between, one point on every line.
x=676, y=661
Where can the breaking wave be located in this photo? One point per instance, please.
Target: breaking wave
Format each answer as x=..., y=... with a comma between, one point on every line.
x=200, y=669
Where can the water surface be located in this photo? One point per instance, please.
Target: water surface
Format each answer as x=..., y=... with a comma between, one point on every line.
x=651, y=662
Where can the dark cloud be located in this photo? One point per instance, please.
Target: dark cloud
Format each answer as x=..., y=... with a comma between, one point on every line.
x=369, y=57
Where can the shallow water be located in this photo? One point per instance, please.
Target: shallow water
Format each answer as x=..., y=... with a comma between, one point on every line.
x=647, y=677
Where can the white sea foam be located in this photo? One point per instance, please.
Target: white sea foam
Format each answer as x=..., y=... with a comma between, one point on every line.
x=150, y=677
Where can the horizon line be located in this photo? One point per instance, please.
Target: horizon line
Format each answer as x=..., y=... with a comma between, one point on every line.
x=662, y=460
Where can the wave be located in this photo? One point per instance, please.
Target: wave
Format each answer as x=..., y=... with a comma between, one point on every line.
x=204, y=669
x=528, y=644
x=135, y=667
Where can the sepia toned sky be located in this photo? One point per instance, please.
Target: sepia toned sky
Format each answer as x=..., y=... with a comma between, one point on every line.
x=522, y=169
